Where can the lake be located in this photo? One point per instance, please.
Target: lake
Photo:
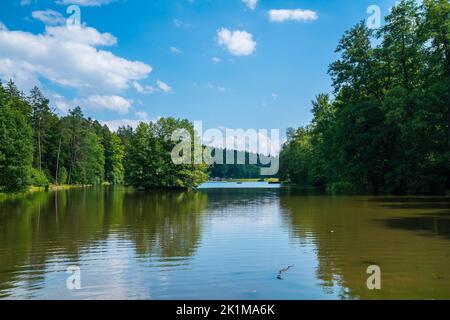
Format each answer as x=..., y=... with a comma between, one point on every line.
x=221, y=243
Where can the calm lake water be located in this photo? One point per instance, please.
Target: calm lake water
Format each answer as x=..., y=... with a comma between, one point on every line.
x=223, y=244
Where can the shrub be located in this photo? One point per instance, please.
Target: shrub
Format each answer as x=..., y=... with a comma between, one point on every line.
x=38, y=179
x=62, y=175
x=341, y=187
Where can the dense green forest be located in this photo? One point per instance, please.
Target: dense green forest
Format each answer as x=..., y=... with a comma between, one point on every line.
x=387, y=126
x=38, y=148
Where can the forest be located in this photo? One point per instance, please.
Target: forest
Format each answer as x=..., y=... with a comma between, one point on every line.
x=39, y=148
x=386, y=126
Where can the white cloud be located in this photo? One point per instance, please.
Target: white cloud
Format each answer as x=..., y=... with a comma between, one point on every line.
x=180, y=24
x=216, y=60
x=83, y=35
x=239, y=43
x=164, y=86
x=114, y=125
x=85, y=3
x=214, y=87
x=143, y=89
x=60, y=103
x=175, y=50
x=251, y=3
x=67, y=57
x=113, y=103
x=142, y=115
x=27, y=2
x=295, y=15
x=3, y=27
x=49, y=17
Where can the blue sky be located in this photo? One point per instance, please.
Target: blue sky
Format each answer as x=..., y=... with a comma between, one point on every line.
x=228, y=63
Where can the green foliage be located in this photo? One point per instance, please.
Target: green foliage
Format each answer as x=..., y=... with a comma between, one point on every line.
x=149, y=162
x=388, y=128
x=16, y=148
x=114, y=156
x=84, y=155
x=341, y=187
x=62, y=175
x=37, y=146
x=38, y=178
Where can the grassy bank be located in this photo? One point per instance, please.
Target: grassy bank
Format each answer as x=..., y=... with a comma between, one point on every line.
x=18, y=195
x=270, y=180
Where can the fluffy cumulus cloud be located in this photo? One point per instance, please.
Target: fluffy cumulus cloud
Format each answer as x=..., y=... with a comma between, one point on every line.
x=280, y=15
x=68, y=57
x=238, y=43
x=251, y=3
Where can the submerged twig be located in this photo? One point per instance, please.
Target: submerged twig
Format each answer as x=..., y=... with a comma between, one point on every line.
x=280, y=273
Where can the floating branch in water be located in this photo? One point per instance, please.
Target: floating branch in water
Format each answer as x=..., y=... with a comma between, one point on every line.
x=280, y=273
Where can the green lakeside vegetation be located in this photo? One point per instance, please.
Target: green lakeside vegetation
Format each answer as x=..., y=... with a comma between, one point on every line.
x=39, y=150
x=387, y=129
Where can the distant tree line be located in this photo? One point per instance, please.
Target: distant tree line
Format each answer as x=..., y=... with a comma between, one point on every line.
x=250, y=170
x=387, y=127
x=38, y=148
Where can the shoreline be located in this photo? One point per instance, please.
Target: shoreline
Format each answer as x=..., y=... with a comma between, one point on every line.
x=32, y=190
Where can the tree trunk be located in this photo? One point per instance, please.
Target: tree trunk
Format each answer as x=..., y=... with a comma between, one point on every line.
x=39, y=147
x=57, y=162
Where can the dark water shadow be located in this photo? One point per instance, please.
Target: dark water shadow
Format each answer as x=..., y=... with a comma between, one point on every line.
x=433, y=223
x=428, y=203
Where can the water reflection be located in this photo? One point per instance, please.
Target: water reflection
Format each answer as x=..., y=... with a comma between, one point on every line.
x=351, y=233
x=223, y=244
x=433, y=219
x=55, y=230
